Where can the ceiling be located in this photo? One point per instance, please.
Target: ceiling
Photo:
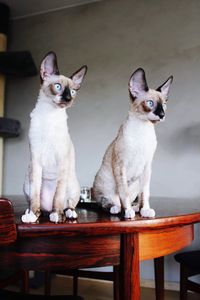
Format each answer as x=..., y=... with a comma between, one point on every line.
x=25, y=8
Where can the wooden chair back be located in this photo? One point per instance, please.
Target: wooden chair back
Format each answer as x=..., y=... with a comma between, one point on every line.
x=8, y=233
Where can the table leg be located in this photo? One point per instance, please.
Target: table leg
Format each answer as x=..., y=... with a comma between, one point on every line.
x=129, y=267
x=47, y=283
x=25, y=281
x=159, y=277
x=116, y=282
x=75, y=283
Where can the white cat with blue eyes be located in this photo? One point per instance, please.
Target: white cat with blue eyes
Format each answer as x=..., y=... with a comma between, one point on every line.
x=51, y=184
x=126, y=168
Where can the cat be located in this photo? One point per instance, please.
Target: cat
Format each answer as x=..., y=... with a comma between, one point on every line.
x=51, y=184
x=125, y=172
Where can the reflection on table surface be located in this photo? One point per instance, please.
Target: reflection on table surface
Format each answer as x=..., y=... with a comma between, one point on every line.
x=90, y=212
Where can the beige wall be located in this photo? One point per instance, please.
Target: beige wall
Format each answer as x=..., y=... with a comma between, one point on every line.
x=114, y=37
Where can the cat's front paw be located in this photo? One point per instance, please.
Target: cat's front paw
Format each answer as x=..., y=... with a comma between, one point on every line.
x=29, y=217
x=71, y=214
x=54, y=217
x=129, y=214
x=114, y=210
x=147, y=212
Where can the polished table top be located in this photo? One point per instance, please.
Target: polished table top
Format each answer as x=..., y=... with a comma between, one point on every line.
x=97, y=238
x=169, y=212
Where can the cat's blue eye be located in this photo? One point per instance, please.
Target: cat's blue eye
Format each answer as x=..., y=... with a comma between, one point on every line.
x=58, y=87
x=150, y=103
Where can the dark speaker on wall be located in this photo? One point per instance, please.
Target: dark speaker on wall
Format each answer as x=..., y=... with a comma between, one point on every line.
x=9, y=128
x=17, y=64
x=4, y=18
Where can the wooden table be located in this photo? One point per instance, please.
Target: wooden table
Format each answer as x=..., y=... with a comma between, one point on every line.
x=99, y=239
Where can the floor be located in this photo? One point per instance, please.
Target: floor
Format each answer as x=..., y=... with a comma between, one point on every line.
x=102, y=290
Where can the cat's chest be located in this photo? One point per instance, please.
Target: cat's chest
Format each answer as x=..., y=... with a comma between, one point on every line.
x=48, y=135
x=138, y=145
x=47, y=124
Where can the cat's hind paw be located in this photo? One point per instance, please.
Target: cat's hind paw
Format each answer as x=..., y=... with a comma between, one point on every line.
x=29, y=217
x=136, y=207
x=147, y=212
x=114, y=210
x=129, y=214
x=71, y=214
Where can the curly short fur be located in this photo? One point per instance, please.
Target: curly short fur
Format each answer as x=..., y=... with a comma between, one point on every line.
x=51, y=184
x=126, y=168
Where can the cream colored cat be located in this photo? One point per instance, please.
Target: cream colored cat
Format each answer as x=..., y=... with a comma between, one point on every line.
x=126, y=168
x=51, y=183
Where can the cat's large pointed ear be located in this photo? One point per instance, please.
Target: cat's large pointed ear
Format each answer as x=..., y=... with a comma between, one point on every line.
x=138, y=83
x=165, y=87
x=49, y=66
x=78, y=76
